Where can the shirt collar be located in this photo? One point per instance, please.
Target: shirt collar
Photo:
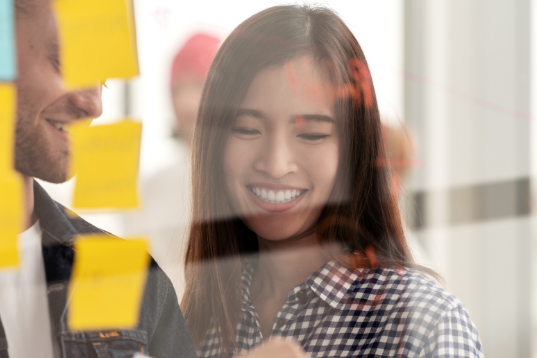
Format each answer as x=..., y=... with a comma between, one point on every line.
x=53, y=219
x=360, y=289
x=333, y=283
x=248, y=266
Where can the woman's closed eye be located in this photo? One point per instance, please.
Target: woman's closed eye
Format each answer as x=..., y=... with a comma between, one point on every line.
x=313, y=137
x=245, y=132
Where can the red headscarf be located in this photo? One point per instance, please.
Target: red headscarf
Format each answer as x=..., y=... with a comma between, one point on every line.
x=195, y=57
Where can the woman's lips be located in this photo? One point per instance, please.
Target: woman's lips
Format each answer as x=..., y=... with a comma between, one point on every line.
x=276, y=198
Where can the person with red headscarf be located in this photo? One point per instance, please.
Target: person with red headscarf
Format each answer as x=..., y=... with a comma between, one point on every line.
x=166, y=211
x=189, y=69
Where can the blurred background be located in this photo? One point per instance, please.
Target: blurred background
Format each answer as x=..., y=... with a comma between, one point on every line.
x=456, y=84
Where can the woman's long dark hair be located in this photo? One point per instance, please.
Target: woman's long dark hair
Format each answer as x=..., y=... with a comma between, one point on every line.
x=361, y=214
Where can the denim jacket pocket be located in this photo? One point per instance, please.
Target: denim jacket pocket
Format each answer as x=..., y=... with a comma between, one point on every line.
x=106, y=344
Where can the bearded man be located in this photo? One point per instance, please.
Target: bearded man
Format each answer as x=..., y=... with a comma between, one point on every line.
x=33, y=298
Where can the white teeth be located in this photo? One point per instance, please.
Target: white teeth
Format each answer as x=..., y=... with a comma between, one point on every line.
x=279, y=197
x=60, y=126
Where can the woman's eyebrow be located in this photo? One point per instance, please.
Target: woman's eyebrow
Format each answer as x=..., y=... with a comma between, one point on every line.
x=251, y=113
x=314, y=118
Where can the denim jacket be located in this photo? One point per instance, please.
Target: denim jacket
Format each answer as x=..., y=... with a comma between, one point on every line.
x=161, y=330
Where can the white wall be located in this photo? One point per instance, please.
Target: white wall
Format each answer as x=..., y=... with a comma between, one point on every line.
x=468, y=103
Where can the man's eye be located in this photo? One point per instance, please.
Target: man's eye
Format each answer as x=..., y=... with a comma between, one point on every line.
x=312, y=136
x=55, y=62
x=245, y=131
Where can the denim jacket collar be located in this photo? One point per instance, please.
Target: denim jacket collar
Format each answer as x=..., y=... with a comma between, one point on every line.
x=57, y=228
x=58, y=254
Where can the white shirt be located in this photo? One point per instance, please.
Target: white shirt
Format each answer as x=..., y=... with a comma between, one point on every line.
x=23, y=301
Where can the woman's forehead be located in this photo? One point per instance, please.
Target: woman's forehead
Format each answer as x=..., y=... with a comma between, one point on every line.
x=297, y=86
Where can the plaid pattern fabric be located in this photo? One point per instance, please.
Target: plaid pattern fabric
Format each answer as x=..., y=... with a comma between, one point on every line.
x=365, y=313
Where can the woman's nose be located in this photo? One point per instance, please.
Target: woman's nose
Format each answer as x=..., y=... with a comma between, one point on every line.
x=276, y=158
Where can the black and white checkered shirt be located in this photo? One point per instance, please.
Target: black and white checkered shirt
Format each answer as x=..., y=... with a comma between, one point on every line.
x=365, y=313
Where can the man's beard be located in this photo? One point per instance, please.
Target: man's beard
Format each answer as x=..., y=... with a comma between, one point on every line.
x=34, y=156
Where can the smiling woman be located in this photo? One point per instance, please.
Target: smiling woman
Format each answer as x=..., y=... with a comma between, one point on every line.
x=281, y=144
x=295, y=230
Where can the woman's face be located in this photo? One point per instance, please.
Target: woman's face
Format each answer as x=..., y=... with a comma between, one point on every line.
x=282, y=154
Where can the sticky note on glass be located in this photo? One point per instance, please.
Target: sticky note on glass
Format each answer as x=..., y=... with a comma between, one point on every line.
x=107, y=282
x=8, y=63
x=97, y=40
x=7, y=126
x=11, y=218
x=105, y=159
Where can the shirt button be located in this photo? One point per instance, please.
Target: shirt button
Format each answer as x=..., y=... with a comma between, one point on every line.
x=280, y=322
x=302, y=296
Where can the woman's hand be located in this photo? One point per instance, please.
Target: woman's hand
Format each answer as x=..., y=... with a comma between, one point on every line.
x=276, y=348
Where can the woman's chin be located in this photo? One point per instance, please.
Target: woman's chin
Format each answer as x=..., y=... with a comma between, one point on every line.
x=282, y=226
x=275, y=229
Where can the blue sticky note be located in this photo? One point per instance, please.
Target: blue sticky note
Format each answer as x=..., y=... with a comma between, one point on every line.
x=8, y=64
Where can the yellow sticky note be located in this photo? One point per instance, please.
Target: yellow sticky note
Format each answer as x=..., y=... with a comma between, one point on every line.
x=107, y=282
x=11, y=217
x=106, y=160
x=97, y=40
x=7, y=126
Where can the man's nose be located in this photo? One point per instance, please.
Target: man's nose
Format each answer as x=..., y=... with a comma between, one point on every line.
x=276, y=158
x=88, y=101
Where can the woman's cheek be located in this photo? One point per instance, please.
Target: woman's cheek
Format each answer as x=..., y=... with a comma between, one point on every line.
x=230, y=162
x=238, y=155
x=323, y=164
x=238, y=158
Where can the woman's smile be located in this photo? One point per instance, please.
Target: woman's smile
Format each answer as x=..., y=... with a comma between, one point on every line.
x=275, y=198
